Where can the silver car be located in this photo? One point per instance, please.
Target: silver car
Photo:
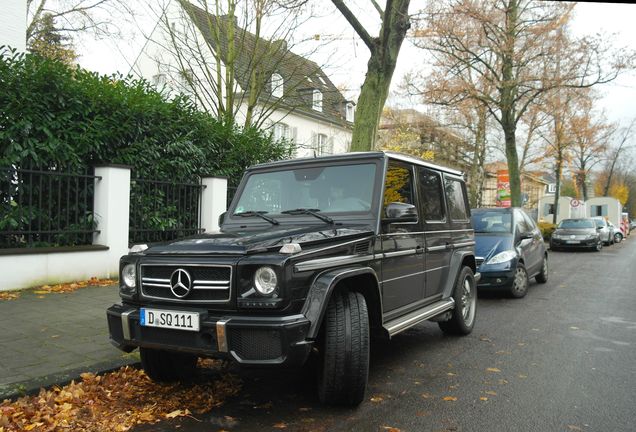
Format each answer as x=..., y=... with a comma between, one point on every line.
x=604, y=230
x=616, y=233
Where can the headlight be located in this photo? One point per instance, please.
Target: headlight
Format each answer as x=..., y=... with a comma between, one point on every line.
x=129, y=275
x=265, y=280
x=502, y=257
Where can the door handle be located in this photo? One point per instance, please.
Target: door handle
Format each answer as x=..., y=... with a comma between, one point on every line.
x=419, y=250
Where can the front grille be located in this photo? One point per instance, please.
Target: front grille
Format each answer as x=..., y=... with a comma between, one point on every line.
x=209, y=283
x=256, y=344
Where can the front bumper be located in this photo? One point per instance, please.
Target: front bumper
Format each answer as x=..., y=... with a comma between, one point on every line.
x=496, y=279
x=248, y=340
x=583, y=244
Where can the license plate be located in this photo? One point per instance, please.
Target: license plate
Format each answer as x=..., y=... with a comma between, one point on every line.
x=573, y=242
x=169, y=319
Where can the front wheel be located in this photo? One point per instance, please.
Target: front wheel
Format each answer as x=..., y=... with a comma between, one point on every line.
x=344, y=350
x=465, y=295
x=618, y=237
x=542, y=277
x=519, y=287
x=167, y=366
x=599, y=246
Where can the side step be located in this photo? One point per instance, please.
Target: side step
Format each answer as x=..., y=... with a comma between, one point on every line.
x=407, y=321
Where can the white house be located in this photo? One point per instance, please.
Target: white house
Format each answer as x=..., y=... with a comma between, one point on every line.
x=568, y=208
x=13, y=24
x=300, y=101
x=608, y=207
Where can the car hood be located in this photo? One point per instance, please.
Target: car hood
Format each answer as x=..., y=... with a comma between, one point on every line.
x=242, y=241
x=489, y=245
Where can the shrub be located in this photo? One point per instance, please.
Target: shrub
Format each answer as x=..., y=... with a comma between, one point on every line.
x=547, y=229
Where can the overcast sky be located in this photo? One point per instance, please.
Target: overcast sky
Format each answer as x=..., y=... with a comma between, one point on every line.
x=346, y=56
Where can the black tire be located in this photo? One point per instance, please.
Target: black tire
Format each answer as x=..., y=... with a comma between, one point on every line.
x=542, y=277
x=598, y=247
x=519, y=285
x=344, y=350
x=465, y=295
x=167, y=366
x=618, y=237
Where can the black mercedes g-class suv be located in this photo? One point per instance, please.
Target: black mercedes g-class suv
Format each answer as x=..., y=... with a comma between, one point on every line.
x=313, y=257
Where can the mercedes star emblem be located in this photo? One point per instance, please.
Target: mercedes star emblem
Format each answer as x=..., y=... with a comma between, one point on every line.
x=180, y=283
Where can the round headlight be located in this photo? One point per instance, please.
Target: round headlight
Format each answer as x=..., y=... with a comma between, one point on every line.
x=502, y=257
x=129, y=275
x=265, y=280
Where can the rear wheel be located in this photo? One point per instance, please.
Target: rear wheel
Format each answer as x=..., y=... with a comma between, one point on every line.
x=618, y=237
x=344, y=350
x=465, y=295
x=519, y=287
x=167, y=366
x=542, y=277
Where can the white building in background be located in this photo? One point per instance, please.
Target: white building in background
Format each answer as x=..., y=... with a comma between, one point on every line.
x=301, y=102
x=13, y=24
x=608, y=207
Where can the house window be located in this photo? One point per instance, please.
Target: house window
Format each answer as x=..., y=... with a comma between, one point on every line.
x=277, y=85
x=317, y=101
x=598, y=210
x=322, y=145
x=281, y=131
x=349, y=112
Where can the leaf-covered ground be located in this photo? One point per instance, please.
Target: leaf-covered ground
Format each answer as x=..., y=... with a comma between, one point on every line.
x=116, y=402
x=59, y=288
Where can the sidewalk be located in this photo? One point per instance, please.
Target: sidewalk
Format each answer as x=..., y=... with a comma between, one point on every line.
x=55, y=338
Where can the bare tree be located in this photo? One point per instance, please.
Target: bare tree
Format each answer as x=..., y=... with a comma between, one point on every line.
x=98, y=17
x=235, y=59
x=384, y=51
x=521, y=41
x=624, y=137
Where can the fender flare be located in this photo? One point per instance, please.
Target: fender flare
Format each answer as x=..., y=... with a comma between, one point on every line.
x=454, y=269
x=320, y=292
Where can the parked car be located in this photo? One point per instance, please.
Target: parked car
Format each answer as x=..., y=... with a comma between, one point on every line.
x=509, y=249
x=313, y=257
x=576, y=234
x=604, y=230
x=615, y=233
x=632, y=225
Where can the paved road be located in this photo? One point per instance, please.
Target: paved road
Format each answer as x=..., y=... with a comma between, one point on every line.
x=562, y=359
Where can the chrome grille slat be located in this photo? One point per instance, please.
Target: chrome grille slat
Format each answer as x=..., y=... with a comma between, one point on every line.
x=213, y=284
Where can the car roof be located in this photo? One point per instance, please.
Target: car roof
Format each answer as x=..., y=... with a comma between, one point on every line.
x=354, y=156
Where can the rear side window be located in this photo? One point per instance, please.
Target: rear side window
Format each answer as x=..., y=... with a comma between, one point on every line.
x=430, y=183
x=398, y=185
x=455, y=199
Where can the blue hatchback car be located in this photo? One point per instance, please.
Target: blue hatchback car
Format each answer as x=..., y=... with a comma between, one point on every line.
x=509, y=249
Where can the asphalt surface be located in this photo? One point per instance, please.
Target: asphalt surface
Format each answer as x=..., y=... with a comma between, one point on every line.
x=561, y=359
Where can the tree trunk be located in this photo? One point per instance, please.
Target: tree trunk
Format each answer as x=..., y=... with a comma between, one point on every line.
x=375, y=89
x=479, y=156
x=557, y=190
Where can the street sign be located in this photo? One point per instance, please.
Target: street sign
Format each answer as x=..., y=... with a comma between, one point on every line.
x=575, y=203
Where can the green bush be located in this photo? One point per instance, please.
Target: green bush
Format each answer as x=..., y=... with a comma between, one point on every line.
x=53, y=115
x=547, y=229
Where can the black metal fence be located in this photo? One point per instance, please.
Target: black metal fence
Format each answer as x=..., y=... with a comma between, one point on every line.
x=46, y=207
x=163, y=210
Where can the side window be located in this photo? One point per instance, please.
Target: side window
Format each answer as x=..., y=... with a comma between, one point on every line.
x=455, y=199
x=398, y=184
x=432, y=200
x=520, y=223
x=529, y=222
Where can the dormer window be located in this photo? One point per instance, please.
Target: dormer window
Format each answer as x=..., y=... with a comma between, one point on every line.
x=349, y=112
x=277, y=85
x=317, y=101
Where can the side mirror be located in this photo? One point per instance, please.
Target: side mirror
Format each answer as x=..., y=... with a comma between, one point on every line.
x=400, y=212
x=222, y=218
x=598, y=228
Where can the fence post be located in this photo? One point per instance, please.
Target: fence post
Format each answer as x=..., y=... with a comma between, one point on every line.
x=112, y=210
x=213, y=201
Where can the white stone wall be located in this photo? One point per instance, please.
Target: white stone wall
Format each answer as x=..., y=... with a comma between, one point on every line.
x=13, y=24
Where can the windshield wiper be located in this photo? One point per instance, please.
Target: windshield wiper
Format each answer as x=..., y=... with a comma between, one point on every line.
x=260, y=214
x=313, y=212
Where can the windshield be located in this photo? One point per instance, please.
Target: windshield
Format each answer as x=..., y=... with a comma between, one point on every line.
x=600, y=223
x=328, y=189
x=576, y=224
x=492, y=222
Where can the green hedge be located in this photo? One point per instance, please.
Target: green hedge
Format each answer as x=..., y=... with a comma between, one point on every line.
x=53, y=115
